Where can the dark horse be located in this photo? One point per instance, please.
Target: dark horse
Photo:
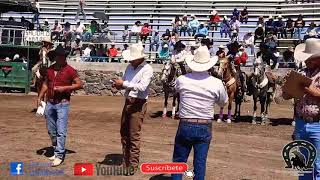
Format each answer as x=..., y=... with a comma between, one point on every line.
x=168, y=78
x=259, y=86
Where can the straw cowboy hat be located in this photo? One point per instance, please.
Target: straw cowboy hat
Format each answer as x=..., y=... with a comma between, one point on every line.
x=47, y=40
x=201, y=60
x=305, y=50
x=134, y=52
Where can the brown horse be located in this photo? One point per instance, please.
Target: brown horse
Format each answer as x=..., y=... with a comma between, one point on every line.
x=229, y=79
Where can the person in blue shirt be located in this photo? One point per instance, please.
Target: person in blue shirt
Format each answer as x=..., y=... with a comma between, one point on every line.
x=236, y=13
x=225, y=27
x=202, y=31
x=193, y=25
x=269, y=25
x=155, y=40
x=280, y=27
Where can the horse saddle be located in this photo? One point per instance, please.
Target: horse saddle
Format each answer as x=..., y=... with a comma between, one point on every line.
x=263, y=83
x=230, y=82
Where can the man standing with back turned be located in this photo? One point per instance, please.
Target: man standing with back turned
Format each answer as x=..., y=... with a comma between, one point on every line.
x=199, y=92
x=136, y=81
x=60, y=81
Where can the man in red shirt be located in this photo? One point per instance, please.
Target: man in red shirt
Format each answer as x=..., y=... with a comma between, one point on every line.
x=60, y=81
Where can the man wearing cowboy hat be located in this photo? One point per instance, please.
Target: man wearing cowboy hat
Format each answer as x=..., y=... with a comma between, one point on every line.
x=307, y=109
x=199, y=92
x=279, y=27
x=43, y=57
x=61, y=79
x=136, y=81
x=312, y=31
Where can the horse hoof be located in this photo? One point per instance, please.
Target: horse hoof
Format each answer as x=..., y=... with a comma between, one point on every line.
x=219, y=121
x=293, y=123
x=254, y=122
x=229, y=121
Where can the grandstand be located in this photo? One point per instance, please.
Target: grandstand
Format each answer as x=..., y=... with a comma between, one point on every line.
x=159, y=14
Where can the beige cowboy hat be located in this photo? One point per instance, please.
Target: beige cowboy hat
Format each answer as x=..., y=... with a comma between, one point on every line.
x=47, y=40
x=134, y=52
x=222, y=46
x=279, y=16
x=305, y=50
x=201, y=60
x=270, y=17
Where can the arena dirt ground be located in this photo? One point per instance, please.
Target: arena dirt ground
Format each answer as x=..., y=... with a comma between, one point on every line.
x=239, y=151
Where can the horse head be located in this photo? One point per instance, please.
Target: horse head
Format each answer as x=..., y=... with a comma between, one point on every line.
x=225, y=68
x=259, y=67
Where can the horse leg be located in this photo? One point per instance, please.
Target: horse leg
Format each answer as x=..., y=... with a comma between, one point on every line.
x=239, y=110
x=166, y=96
x=220, y=115
x=254, y=117
x=229, y=111
x=174, y=106
x=263, y=109
x=236, y=110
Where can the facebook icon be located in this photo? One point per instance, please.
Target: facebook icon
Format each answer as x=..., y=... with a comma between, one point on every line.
x=16, y=168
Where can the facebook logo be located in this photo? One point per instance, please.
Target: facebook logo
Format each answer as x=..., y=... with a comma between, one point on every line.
x=16, y=168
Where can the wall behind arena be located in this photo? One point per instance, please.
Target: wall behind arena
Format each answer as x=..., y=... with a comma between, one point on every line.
x=97, y=76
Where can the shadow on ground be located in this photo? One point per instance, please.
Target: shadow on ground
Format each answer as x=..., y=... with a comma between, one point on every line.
x=112, y=159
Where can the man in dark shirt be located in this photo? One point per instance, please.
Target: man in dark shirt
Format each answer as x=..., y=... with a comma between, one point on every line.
x=244, y=15
x=61, y=80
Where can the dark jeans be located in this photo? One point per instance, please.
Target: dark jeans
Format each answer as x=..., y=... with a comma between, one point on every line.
x=184, y=30
x=197, y=136
x=291, y=31
x=55, y=36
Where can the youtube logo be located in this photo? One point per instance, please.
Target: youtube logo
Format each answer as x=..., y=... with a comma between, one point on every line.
x=83, y=169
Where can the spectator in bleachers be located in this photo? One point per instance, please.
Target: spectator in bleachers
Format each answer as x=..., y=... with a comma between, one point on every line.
x=80, y=9
x=248, y=41
x=225, y=28
x=125, y=47
x=260, y=21
x=176, y=24
x=288, y=56
x=46, y=26
x=36, y=14
x=241, y=57
x=280, y=27
x=56, y=31
x=193, y=25
x=269, y=25
x=135, y=31
x=112, y=51
x=267, y=56
x=312, y=31
x=88, y=34
x=234, y=36
x=234, y=24
x=67, y=36
x=76, y=46
x=145, y=32
x=155, y=40
x=271, y=41
x=184, y=25
x=236, y=13
x=259, y=34
x=125, y=33
x=214, y=20
x=106, y=33
x=172, y=42
x=299, y=25
x=244, y=15
x=79, y=29
x=289, y=27
x=202, y=31
x=167, y=35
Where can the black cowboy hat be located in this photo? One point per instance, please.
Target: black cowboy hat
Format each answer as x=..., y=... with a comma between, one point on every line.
x=179, y=45
x=58, y=51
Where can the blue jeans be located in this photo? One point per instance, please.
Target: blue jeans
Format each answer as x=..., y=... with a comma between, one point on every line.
x=57, y=123
x=197, y=136
x=309, y=132
x=36, y=19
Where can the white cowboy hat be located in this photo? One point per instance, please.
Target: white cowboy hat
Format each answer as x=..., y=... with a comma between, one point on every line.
x=201, y=60
x=260, y=25
x=47, y=40
x=113, y=43
x=7, y=59
x=270, y=17
x=214, y=12
x=16, y=56
x=279, y=16
x=241, y=47
x=192, y=15
x=134, y=52
x=225, y=17
x=185, y=15
x=222, y=46
x=305, y=50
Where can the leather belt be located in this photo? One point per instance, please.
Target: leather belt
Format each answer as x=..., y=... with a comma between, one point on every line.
x=131, y=100
x=52, y=101
x=198, y=121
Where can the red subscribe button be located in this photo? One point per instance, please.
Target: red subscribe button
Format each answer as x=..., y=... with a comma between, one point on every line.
x=174, y=168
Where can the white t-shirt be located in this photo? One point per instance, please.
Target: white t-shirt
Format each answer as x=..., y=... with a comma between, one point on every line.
x=80, y=28
x=136, y=29
x=199, y=92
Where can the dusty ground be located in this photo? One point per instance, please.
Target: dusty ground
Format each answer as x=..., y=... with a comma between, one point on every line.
x=238, y=151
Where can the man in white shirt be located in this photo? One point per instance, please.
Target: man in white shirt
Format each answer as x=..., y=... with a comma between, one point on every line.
x=136, y=82
x=199, y=92
x=248, y=41
x=79, y=28
x=135, y=31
